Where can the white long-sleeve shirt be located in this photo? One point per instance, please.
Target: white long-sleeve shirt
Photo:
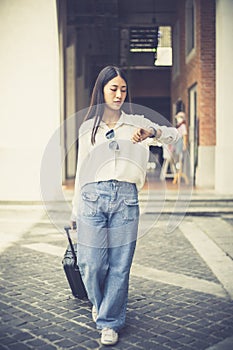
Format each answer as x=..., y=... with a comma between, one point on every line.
x=99, y=162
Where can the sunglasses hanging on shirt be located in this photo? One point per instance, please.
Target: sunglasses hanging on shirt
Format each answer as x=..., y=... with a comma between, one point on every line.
x=113, y=145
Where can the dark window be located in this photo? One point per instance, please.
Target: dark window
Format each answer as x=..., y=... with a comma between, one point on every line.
x=190, y=25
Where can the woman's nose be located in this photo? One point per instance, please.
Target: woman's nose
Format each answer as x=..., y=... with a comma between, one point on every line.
x=118, y=93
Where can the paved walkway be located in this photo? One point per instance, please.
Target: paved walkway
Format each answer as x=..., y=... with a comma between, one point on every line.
x=181, y=287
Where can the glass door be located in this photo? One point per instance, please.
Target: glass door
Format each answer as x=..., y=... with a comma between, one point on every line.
x=193, y=132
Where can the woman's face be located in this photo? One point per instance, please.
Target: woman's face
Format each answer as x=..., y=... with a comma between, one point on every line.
x=179, y=120
x=115, y=93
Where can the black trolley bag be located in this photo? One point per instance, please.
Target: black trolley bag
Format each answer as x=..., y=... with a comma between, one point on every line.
x=72, y=270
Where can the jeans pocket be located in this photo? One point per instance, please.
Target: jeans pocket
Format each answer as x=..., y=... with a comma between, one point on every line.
x=89, y=203
x=131, y=209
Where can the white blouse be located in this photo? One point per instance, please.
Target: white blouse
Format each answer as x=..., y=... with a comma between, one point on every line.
x=99, y=162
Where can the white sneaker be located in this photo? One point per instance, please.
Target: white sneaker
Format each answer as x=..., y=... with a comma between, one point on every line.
x=109, y=336
x=94, y=313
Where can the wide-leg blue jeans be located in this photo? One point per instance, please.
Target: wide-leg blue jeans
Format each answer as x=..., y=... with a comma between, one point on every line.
x=107, y=227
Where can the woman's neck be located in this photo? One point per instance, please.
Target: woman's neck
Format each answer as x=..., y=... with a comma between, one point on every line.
x=111, y=118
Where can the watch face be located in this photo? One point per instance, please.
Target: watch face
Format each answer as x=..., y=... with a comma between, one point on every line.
x=154, y=133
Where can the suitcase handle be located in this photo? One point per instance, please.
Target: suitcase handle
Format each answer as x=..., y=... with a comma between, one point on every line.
x=67, y=229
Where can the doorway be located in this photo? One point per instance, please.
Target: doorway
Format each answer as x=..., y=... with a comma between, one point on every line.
x=193, y=132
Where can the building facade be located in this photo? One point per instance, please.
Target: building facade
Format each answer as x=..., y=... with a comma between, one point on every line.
x=193, y=82
x=51, y=52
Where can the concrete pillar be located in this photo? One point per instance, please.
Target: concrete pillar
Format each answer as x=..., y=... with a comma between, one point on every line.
x=224, y=109
x=29, y=85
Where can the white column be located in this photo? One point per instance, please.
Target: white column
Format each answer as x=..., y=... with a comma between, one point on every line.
x=224, y=108
x=29, y=99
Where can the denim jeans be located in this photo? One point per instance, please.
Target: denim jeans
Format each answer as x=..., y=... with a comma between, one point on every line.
x=107, y=227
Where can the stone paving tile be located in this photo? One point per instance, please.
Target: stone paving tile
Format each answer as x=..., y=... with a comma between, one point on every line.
x=38, y=311
x=164, y=251
x=229, y=220
x=171, y=252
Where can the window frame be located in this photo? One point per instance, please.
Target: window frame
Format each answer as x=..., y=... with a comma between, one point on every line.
x=176, y=49
x=190, y=29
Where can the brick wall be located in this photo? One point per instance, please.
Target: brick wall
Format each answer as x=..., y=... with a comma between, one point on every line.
x=198, y=68
x=207, y=67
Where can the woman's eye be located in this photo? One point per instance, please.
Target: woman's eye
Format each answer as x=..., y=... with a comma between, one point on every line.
x=116, y=90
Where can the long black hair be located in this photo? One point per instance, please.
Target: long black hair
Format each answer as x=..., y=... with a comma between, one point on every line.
x=96, y=108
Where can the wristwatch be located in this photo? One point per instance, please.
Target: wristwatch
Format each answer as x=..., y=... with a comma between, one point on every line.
x=154, y=133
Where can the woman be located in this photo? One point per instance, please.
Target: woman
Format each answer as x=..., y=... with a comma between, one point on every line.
x=180, y=150
x=112, y=159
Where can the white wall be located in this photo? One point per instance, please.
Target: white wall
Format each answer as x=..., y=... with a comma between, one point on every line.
x=224, y=105
x=205, y=172
x=29, y=99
